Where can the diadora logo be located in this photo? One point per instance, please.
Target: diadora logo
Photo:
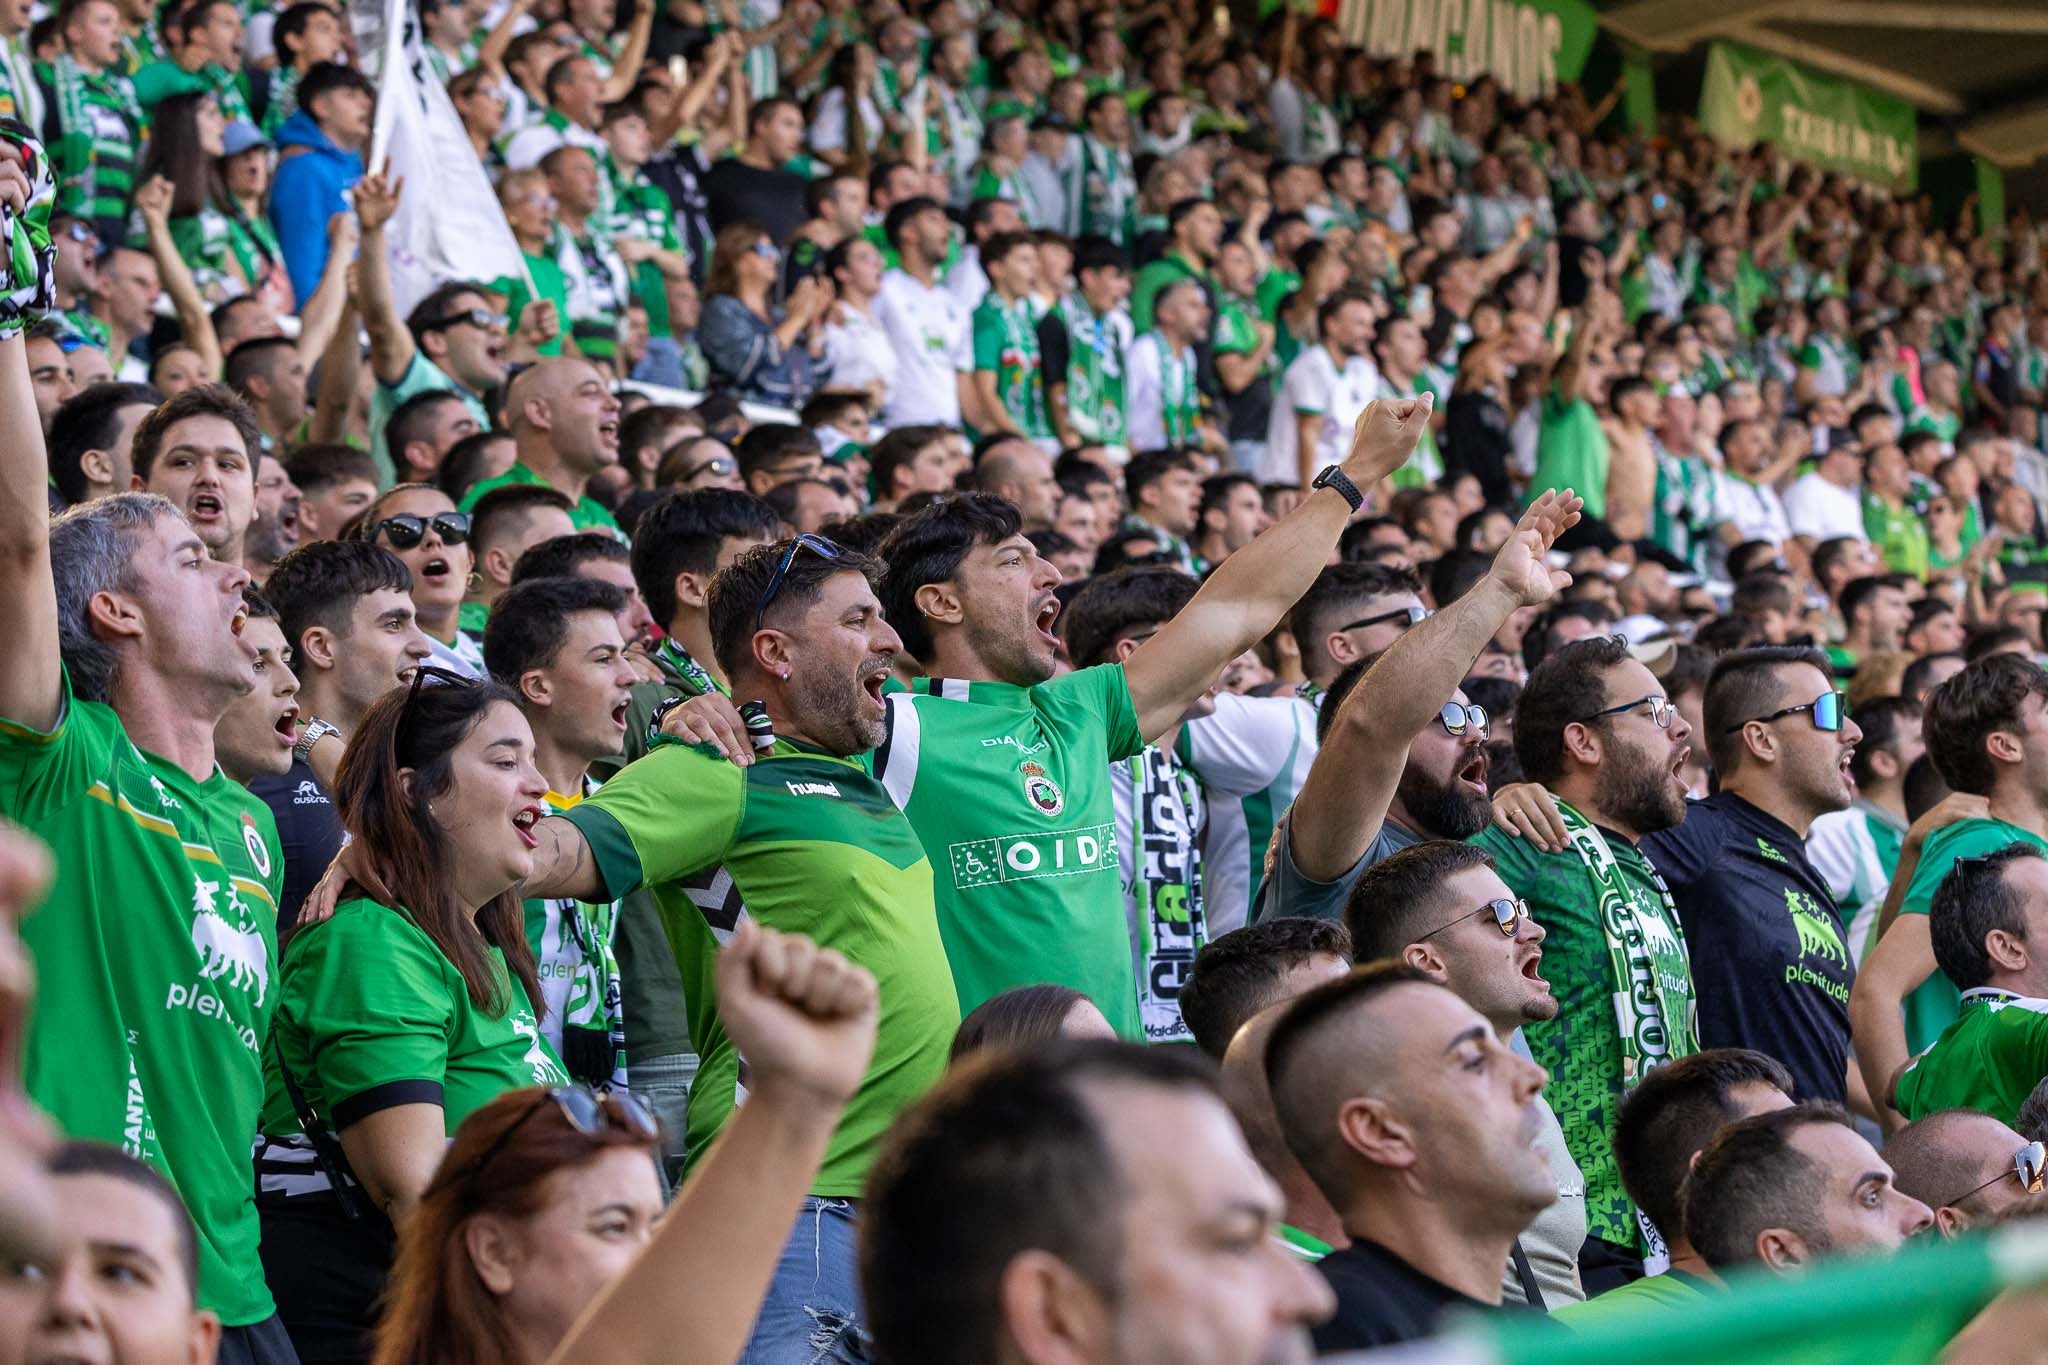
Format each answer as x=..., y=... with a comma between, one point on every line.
x=1012, y=742
x=1770, y=852
x=812, y=789
x=163, y=796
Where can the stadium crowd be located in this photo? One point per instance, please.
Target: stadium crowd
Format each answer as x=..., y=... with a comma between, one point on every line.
x=1057, y=682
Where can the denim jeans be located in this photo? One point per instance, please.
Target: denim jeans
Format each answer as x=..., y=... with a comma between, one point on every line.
x=1248, y=457
x=663, y=1084
x=663, y=364
x=812, y=1314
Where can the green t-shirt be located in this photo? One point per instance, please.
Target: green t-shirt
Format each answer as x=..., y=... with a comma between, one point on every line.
x=587, y=515
x=358, y=1041
x=1990, y=1059
x=1582, y=1047
x=552, y=284
x=1673, y=1292
x=1154, y=276
x=159, y=80
x=1006, y=343
x=813, y=845
x=421, y=376
x=1571, y=452
x=1933, y=1006
x=1898, y=533
x=1009, y=788
x=157, y=948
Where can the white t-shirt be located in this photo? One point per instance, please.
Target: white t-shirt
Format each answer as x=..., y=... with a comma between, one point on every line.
x=966, y=281
x=858, y=350
x=929, y=332
x=828, y=125
x=1314, y=384
x=530, y=144
x=1755, y=509
x=1149, y=374
x=1823, y=510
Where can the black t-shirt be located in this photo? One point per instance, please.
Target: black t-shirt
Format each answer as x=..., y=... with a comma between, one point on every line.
x=739, y=193
x=1382, y=1300
x=1770, y=968
x=308, y=830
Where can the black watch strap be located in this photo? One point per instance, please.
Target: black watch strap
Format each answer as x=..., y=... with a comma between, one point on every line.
x=1333, y=477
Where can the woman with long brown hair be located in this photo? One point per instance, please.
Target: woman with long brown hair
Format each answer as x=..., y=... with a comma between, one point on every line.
x=537, y=1241
x=756, y=351
x=414, y=1005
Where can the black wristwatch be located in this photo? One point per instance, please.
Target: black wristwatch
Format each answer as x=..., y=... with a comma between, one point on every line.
x=1333, y=477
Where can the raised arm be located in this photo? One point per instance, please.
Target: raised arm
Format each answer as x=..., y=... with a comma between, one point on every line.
x=321, y=314
x=804, y=1019
x=1344, y=800
x=626, y=71
x=340, y=365
x=691, y=99
x=195, y=319
x=391, y=345
x=31, y=667
x=1253, y=589
x=491, y=56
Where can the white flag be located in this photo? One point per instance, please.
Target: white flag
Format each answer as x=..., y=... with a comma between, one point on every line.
x=448, y=225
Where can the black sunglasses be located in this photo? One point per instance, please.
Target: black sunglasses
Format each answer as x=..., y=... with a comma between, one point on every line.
x=1508, y=915
x=717, y=464
x=474, y=317
x=587, y=1112
x=1412, y=616
x=1661, y=711
x=1829, y=710
x=817, y=545
x=406, y=530
x=422, y=674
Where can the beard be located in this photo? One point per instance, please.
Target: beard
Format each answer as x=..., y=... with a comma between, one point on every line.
x=837, y=711
x=1442, y=810
x=267, y=542
x=1638, y=792
x=1017, y=657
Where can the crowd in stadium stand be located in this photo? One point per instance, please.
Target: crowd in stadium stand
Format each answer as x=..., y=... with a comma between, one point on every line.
x=1034, y=681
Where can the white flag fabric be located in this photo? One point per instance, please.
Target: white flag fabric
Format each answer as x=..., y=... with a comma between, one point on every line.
x=448, y=225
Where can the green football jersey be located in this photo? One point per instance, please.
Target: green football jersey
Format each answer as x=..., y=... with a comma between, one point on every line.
x=1009, y=788
x=1933, y=1006
x=357, y=1041
x=587, y=515
x=1006, y=344
x=1582, y=1047
x=812, y=845
x=1990, y=1059
x=157, y=950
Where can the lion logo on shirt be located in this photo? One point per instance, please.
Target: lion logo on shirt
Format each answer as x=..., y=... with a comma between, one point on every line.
x=1814, y=923
x=224, y=950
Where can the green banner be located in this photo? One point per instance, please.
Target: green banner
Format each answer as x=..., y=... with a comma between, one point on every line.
x=1750, y=97
x=1526, y=45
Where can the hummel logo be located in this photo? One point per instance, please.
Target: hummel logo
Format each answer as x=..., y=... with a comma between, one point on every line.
x=812, y=789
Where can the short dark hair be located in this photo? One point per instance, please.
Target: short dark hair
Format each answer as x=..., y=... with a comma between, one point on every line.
x=1001, y=244
x=682, y=532
x=462, y=468
x=411, y=420
x=1536, y=640
x=257, y=355
x=1672, y=1112
x=78, y=1157
x=1984, y=641
x=773, y=442
x=90, y=420
x=563, y=556
x=318, y=585
x=1914, y=680
x=1569, y=685
x=1743, y=686
x=928, y=547
x=1962, y=713
x=1339, y=589
x=202, y=400
x=317, y=467
x=1237, y=975
x=1857, y=592
x=899, y=448
x=1007, y=1154
x=1396, y=897
x=1148, y=467
x=1341, y=687
x=530, y=623
x=1750, y=1177
x=1972, y=900
x=292, y=23
x=1024, y=1016
x=1217, y=488
x=1112, y=606
x=505, y=507
x=1884, y=721
x=736, y=594
x=324, y=78
x=427, y=314
x=902, y=212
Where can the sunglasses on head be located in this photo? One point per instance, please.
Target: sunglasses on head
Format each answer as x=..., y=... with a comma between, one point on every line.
x=1829, y=710
x=587, y=1112
x=474, y=317
x=1458, y=716
x=405, y=530
x=1408, y=616
x=1508, y=914
x=422, y=674
x=817, y=545
x=2029, y=1165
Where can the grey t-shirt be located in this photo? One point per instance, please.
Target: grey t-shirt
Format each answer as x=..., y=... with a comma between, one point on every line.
x=1287, y=892
x=1552, y=1242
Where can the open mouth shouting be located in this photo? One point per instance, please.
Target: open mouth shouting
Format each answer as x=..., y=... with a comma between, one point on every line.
x=1048, y=612
x=1531, y=968
x=619, y=714
x=873, y=675
x=608, y=434
x=1678, y=762
x=436, y=572
x=523, y=821
x=286, y=726
x=1473, y=775
x=205, y=509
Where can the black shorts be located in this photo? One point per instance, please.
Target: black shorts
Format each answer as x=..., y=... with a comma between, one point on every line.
x=327, y=1273
x=259, y=1343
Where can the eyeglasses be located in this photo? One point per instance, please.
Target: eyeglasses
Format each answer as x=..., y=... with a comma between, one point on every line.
x=406, y=530
x=1508, y=915
x=1829, y=710
x=474, y=317
x=79, y=232
x=720, y=465
x=422, y=674
x=1408, y=616
x=817, y=545
x=2029, y=1163
x=1661, y=711
x=588, y=1113
x=1457, y=717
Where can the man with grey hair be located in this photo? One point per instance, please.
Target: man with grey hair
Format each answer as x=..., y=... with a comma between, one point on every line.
x=124, y=650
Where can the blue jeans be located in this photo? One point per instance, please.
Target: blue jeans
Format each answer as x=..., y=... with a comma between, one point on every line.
x=663, y=363
x=1248, y=457
x=663, y=1085
x=812, y=1314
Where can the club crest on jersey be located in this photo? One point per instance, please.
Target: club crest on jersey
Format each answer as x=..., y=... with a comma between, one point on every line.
x=1041, y=791
x=252, y=840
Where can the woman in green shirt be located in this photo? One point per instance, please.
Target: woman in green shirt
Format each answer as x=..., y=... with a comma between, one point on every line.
x=415, y=1004
x=185, y=148
x=245, y=172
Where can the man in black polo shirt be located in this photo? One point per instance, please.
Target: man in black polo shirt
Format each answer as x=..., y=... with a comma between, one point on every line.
x=1770, y=968
x=1410, y=1113
x=756, y=186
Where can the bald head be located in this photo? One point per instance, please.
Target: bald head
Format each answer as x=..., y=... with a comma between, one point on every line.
x=548, y=380
x=1953, y=1162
